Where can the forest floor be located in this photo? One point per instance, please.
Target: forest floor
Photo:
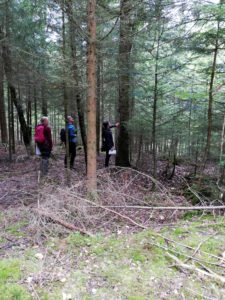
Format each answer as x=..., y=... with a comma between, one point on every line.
x=121, y=248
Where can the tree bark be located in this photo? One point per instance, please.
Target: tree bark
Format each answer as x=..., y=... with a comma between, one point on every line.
x=65, y=97
x=125, y=46
x=44, y=103
x=210, y=102
x=3, y=124
x=35, y=106
x=158, y=34
x=9, y=124
x=76, y=77
x=155, y=100
x=91, y=98
x=12, y=127
x=9, y=75
x=98, y=114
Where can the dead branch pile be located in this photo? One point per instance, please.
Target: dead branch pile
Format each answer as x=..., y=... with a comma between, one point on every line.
x=125, y=198
x=121, y=192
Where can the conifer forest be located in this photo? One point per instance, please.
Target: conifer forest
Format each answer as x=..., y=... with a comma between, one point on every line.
x=112, y=149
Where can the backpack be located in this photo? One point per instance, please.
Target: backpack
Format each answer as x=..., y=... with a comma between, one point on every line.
x=39, y=136
x=63, y=135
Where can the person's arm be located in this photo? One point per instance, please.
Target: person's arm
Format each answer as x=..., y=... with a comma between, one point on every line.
x=115, y=125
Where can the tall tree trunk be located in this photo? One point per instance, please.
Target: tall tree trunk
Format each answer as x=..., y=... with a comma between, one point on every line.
x=76, y=77
x=102, y=104
x=65, y=96
x=189, y=131
x=9, y=75
x=12, y=127
x=155, y=100
x=35, y=106
x=44, y=103
x=9, y=72
x=9, y=124
x=29, y=110
x=91, y=98
x=3, y=124
x=158, y=35
x=222, y=160
x=210, y=102
x=125, y=45
x=98, y=114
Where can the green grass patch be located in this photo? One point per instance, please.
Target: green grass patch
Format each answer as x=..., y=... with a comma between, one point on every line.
x=13, y=292
x=16, y=229
x=137, y=255
x=129, y=266
x=10, y=273
x=9, y=270
x=136, y=297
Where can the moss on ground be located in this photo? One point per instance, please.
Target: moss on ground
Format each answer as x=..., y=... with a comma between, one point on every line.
x=132, y=266
x=13, y=292
x=10, y=273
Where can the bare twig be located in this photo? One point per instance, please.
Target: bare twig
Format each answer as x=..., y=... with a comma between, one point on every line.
x=196, y=269
x=61, y=222
x=159, y=207
x=112, y=211
x=199, y=246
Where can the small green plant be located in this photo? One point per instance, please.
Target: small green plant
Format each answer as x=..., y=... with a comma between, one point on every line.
x=78, y=240
x=13, y=292
x=9, y=273
x=180, y=231
x=9, y=269
x=138, y=256
x=191, y=214
x=136, y=297
x=15, y=229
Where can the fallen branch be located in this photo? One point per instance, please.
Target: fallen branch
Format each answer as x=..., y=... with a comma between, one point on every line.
x=159, y=207
x=199, y=246
x=61, y=222
x=195, y=269
x=4, y=196
x=110, y=210
x=9, y=245
x=186, y=246
x=198, y=260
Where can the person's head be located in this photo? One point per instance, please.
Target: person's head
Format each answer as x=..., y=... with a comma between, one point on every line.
x=70, y=120
x=44, y=121
x=105, y=125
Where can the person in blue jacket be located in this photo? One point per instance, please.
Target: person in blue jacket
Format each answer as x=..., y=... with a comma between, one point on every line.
x=72, y=136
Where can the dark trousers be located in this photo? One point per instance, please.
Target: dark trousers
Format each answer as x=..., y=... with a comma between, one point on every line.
x=72, y=154
x=107, y=158
x=45, y=155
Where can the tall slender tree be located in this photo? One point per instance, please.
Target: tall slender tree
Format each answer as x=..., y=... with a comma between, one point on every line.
x=3, y=124
x=9, y=75
x=125, y=46
x=75, y=72
x=211, y=86
x=91, y=98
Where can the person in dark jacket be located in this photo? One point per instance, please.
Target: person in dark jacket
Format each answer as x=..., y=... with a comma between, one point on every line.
x=72, y=136
x=46, y=147
x=107, y=140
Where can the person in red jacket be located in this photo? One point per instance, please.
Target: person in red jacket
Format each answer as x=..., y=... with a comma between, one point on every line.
x=46, y=146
